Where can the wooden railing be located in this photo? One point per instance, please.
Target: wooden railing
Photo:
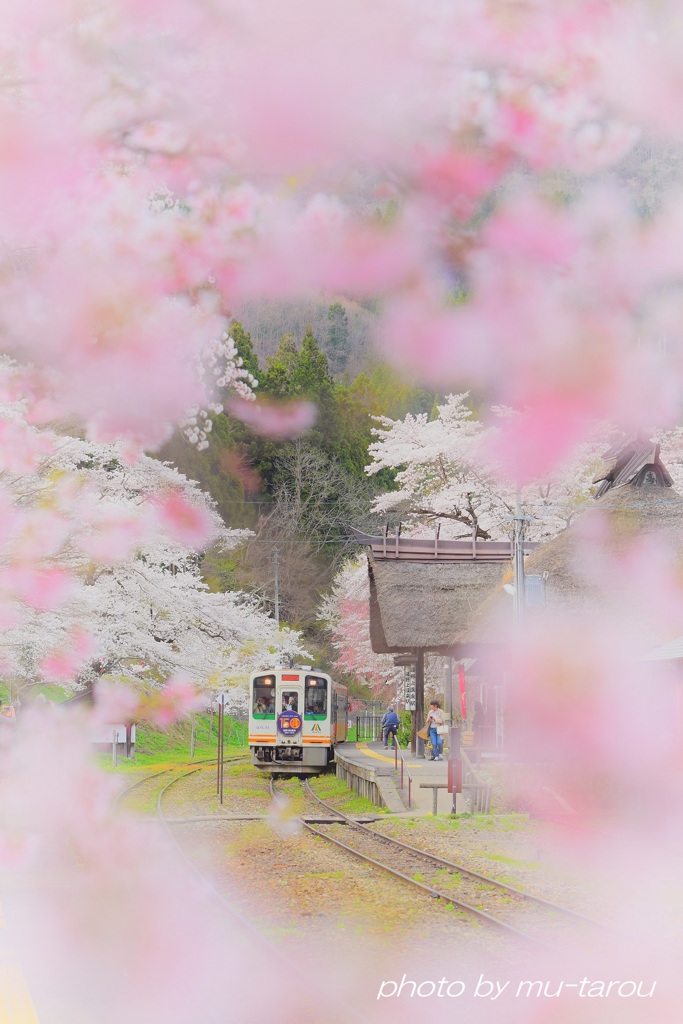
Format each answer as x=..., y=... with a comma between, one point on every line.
x=434, y=549
x=475, y=789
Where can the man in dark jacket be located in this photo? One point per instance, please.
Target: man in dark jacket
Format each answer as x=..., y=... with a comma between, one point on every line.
x=390, y=724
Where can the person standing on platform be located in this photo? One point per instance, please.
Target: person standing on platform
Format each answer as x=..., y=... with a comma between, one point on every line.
x=435, y=721
x=390, y=724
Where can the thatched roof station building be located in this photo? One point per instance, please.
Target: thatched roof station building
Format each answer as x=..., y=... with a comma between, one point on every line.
x=423, y=594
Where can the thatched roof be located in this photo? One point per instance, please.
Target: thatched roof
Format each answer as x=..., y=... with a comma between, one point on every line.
x=422, y=605
x=632, y=460
x=630, y=510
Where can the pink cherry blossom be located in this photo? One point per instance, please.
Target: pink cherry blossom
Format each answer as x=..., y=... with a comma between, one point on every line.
x=178, y=698
x=115, y=702
x=280, y=420
x=62, y=665
x=115, y=534
x=187, y=523
x=43, y=589
x=21, y=448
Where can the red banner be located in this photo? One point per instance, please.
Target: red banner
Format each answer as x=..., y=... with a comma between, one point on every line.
x=463, y=692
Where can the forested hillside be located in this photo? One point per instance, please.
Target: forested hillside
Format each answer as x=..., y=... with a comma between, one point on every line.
x=341, y=329
x=297, y=496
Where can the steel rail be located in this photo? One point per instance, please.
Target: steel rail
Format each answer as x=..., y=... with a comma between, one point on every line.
x=155, y=775
x=435, y=859
x=496, y=922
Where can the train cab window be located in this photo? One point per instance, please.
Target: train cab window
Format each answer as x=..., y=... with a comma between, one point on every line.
x=315, y=697
x=290, y=701
x=263, y=698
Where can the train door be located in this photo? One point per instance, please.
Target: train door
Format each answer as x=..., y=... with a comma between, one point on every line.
x=289, y=707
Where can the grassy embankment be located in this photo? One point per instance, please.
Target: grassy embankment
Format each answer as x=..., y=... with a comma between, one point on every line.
x=172, y=746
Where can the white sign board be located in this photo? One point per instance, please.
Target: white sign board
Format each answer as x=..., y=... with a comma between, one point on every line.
x=105, y=734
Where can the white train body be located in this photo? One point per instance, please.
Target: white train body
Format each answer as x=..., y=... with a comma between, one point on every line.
x=296, y=717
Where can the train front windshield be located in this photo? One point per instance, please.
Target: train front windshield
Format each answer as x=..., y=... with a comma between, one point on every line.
x=263, y=699
x=290, y=700
x=316, y=697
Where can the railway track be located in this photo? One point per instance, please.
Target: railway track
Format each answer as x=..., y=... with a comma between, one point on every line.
x=339, y=1014
x=527, y=917
x=150, y=780
x=510, y=910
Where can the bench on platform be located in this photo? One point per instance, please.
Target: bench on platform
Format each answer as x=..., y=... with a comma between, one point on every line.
x=435, y=787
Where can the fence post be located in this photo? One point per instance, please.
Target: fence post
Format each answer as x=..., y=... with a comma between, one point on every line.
x=222, y=753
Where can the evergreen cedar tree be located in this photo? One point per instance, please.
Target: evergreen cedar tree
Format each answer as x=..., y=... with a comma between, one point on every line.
x=343, y=431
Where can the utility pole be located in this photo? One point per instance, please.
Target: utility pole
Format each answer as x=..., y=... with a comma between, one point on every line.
x=519, y=602
x=276, y=553
x=418, y=745
x=518, y=564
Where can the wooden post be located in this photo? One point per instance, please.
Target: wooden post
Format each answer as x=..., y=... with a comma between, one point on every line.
x=222, y=754
x=454, y=767
x=219, y=748
x=419, y=716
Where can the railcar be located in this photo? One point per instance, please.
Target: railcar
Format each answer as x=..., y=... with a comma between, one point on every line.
x=296, y=718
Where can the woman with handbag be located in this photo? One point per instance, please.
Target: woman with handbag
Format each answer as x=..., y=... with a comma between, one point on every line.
x=435, y=723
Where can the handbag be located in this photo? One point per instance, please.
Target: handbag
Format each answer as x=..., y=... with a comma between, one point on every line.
x=423, y=733
x=442, y=730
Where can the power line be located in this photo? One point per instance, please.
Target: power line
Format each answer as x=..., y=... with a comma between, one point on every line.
x=271, y=502
x=284, y=541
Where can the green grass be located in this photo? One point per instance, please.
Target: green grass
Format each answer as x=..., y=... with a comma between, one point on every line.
x=512, y=861
x=162, y=747
x=329, y=787
x=488, y=822
x=444, y=875
x=57, y=694
x=235, y=770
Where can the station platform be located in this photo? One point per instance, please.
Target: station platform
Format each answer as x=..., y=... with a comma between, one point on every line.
x=371, y=757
